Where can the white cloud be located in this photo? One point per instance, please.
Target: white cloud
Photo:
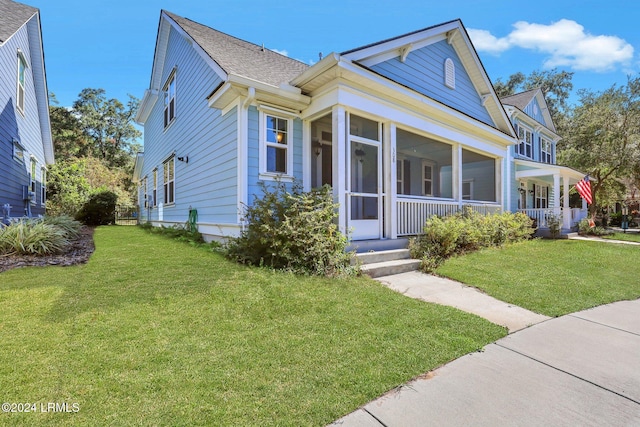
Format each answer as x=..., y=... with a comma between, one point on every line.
x=281, y=52
x=565, y=42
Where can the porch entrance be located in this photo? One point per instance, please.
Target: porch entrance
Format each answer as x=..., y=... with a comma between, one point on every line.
x=364, y=195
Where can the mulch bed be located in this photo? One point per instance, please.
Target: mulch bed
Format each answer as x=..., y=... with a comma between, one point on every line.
x=78, y=252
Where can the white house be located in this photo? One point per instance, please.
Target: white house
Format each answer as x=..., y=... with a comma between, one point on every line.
x=401, y=129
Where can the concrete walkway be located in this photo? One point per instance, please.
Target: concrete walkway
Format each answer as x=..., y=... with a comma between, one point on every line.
x=580, y=369
x=449, y=292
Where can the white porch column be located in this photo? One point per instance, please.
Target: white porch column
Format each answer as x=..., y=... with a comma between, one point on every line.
x=307, y=158
x=505, y=177
x=566, y=219
x=339, y=157
x=556, y=193
x=456, y=173
x=390, y=179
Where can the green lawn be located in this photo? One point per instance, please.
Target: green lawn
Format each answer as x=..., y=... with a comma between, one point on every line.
x=631, y=236
x=155, y=332
x=552, y=277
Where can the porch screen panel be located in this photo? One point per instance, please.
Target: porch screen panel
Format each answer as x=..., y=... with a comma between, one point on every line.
x=364, y=179
x=479, y=172
x=421, y=155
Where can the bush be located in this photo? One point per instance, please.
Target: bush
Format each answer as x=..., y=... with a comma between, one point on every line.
x=70, y=226
x=467, y=231
x=584, y=228
x=295, y=231
x=100, y=209
x=33, y=237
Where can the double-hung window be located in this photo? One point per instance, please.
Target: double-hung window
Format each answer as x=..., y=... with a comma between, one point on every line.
x=169, y=181
x=427, y=178
x=22, y=66
x=34, y=168
x=545, y=150
x=43, y=186
x=170, y=100
x=154, y=190
x=277, y=145
x=525, y=148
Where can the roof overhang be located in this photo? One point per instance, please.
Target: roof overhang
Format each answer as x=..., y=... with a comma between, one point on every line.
x=137, y=167
x=146, y=106
x=539, y=170
x=238, y=86
x=335, y=70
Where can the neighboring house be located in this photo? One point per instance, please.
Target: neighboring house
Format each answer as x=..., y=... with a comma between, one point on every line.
x=401, y=129
x=26, y=146
x=539, y=181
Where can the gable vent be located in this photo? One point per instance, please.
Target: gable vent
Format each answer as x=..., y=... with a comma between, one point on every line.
x=449, y=73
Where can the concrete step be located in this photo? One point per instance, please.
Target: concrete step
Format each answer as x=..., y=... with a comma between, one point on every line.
x=388, y=268
x=382, y=256
x=363, y=246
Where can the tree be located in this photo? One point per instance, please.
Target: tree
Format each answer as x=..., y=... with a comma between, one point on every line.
x=603, y=137
x=107, y=123
x=68, y=139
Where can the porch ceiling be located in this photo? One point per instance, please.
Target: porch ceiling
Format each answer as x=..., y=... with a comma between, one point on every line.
x=535, y=169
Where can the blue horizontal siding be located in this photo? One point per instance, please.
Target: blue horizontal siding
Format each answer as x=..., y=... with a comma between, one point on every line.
x=209, y=182
x=423, y=71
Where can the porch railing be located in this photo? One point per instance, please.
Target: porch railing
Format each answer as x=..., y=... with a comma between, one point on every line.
x=413, y=213
x=541, y=216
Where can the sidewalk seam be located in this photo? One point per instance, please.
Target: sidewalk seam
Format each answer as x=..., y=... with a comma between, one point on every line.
x=602, y=324
x=568, y=373
x=374, y=417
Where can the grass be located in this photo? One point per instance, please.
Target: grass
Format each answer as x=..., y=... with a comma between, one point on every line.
x=631, y=236
x=154, y=332
x=552, y=277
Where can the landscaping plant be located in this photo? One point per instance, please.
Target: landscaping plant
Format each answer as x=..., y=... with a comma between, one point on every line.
x=467, y=231
x=289, y=229
x=100, y=209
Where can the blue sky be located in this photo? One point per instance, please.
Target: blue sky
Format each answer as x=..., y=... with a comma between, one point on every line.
x=110, y=44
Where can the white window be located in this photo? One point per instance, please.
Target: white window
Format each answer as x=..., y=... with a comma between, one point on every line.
x=541, y=194
x=427, y=178
x=43, y=186
x=170, y=100
x=18, y=151
x=22, y=66
x=467, y=189
x=526, y=142
x=169, y=181
x=400, y=176
x=545, y=150
x=154, y=190
x=276, y=149
x=34, y=168
x=449, y=73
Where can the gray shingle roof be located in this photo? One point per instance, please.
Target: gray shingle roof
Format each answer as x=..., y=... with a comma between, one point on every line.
x=236, y=56
x=12, y=16
x=520, y=100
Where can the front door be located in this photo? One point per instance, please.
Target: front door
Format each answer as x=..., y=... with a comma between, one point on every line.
x=365, y=190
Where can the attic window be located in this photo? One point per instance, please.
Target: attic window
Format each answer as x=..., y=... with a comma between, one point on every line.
x=449, y=73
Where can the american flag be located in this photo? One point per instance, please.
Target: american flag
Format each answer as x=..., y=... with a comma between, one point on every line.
x=584, y=189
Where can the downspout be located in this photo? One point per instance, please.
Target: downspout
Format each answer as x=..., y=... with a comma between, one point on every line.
x=243, y=152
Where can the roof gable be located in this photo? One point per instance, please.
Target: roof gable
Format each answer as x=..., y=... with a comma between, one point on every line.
x=13, y=16
x=533, y=104
x=453, y=34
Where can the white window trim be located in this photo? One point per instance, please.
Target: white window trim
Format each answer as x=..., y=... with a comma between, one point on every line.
x=546, y=153
x=43, y=186
x=522, y=142
x=18, y=148
x=33, y=173
x=166, y=182
x=264, y=174
x=21, y=60
x=166, y=104
x=449, y=73
x=400, y=174
x=143, y=185
x=541, y=193
x=154, y=190
x=425, y=179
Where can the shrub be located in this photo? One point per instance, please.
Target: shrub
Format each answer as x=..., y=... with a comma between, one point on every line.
x=32, y=237
x=70, y=226
x=295, y=231
x=467, y=231
x=584, y=228
x=100, y=209
x=555, y=225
